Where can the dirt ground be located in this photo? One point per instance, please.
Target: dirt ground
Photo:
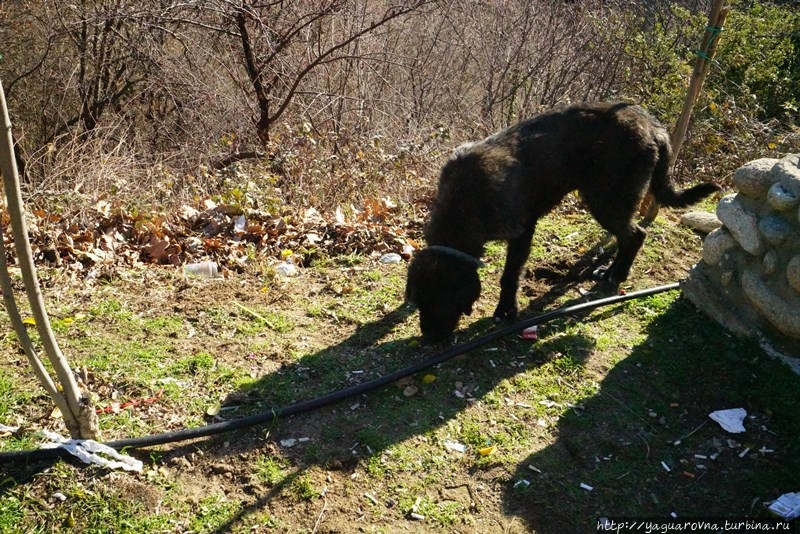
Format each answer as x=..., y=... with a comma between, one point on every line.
x=375, y=462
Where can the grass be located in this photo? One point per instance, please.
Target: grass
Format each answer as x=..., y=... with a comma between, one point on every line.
x=599, y=399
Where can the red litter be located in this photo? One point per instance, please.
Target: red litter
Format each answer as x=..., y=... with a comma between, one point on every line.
x=531, y=333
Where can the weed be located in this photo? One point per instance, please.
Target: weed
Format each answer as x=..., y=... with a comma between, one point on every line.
x=212, y=513
x=302, y=488
x=270, y=470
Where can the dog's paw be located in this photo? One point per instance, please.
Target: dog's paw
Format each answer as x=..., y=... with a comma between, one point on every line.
x=601, y=273
x=504, y=314
x=606, y=274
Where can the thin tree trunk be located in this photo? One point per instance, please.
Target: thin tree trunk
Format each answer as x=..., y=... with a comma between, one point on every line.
x=79, y=416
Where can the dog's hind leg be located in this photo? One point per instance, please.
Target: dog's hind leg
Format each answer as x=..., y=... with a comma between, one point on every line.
x=519, y=249
x=614, y=209
x=629, y=241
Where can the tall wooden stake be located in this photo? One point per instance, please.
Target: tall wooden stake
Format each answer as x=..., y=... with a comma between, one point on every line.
x=705, y=55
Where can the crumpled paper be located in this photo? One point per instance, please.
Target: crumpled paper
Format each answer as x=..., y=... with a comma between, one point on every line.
x=88, y=451
x=730, y=420
x=786, y=506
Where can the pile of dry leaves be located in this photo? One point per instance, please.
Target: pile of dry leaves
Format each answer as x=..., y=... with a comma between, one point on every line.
x=108, y=235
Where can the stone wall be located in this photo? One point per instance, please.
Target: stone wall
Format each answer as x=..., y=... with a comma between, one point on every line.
x=749, y=275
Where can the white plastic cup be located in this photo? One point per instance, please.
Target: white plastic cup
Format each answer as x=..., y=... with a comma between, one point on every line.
x=204, y=269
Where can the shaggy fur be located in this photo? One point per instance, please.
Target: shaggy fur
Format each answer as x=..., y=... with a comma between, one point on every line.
x=496, y=189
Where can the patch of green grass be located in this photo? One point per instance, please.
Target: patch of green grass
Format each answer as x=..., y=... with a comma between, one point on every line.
x=302, y=488
x=192, y=365
x=96, y=509
x=213, y=513
x=271, y=470
x=376, y=439
x=110, y=310
x=12, y=512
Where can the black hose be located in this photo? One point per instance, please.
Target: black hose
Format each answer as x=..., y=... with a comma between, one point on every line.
x=330, y=398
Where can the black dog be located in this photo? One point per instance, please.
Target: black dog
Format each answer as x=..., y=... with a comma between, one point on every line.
x=611, y=152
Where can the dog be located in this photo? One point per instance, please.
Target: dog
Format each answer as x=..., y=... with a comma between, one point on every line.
x=612, y=153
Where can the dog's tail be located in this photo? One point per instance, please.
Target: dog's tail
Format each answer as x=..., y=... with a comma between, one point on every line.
x=662, y=188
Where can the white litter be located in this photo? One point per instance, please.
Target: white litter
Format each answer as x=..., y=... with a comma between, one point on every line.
x=730, y=420
x=392, y=257
x=10, y=429
x=204, y=269
x=666, y=467
x=240, y=225
x=786, y=506
x=89, y=451
x=587, y=487
x=455, y=446
x=286, y=269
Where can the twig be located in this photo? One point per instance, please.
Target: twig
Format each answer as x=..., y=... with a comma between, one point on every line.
x=647, y=456
x=678, y=441
x=255, y=314
x=319, y=517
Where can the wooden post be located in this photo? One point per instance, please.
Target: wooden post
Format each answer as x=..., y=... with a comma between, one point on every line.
x=705, y=55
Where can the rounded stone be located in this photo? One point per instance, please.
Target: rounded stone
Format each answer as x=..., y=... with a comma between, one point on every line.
x=793, y=273
x=716, y=244
x=782, y=314
x=770, y=262
x=774, y=229
x=780, y=199
x=741, y=223
x=787, y=172
x=702, y=221
x=754, y=178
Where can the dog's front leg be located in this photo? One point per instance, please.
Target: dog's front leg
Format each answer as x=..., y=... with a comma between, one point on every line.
x=518, y=250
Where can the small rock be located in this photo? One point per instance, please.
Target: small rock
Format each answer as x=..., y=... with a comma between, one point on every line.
x=286, y=269
x=783, y=315
x=793, y=273
x=781, y=199
x=774, y=229
x=754, y=179
x=770, y=262
x=222, y=469
x=701, y=221
x=788, y=173
x=716, y=244
x=391, y=258
x=742, y=224
x=410, y=390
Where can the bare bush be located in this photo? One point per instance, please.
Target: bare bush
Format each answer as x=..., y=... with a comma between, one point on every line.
x=339, y=100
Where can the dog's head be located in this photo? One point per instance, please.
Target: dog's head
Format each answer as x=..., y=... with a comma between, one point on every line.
x=443, y=288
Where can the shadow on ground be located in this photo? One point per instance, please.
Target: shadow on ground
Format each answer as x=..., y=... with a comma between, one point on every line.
x=646, y=446
x=346, y=432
